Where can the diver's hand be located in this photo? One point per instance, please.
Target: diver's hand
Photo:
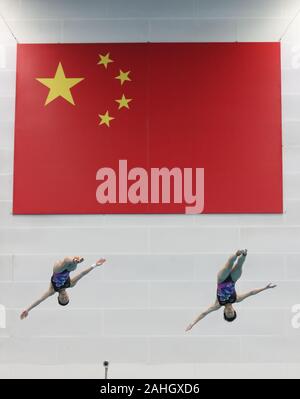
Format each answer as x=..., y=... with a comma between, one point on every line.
x=189, y=328
x=100, y=262
x=271, y=286
x=24, y=315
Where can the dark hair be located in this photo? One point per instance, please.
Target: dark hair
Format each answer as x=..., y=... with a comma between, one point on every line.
x=62, y=304
x=230, y=319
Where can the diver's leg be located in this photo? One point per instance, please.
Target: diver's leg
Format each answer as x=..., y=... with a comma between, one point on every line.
x=227, y=269
x=237, y=271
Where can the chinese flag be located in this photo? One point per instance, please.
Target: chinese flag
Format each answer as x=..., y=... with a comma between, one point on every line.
x=83, y=107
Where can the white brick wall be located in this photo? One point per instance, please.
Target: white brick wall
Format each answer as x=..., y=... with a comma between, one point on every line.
x=161, y=269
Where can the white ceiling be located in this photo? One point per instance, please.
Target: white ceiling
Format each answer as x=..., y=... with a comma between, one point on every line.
x=224, y=20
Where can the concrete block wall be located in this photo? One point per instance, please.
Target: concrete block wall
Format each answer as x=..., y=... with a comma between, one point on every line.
x=161, y=270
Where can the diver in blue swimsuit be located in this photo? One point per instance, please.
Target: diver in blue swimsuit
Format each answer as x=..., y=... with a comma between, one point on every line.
x=226, y=290
x=61, y=281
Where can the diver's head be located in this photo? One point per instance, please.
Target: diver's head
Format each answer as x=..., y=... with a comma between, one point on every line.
x=63, y=298
x=229, y=313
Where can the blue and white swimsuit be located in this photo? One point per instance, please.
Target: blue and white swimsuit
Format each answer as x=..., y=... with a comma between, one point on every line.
x=226, y=293
x=61, y=281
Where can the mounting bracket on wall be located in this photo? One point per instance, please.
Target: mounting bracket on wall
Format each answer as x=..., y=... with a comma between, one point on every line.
x=8, y=27
x=289, y=25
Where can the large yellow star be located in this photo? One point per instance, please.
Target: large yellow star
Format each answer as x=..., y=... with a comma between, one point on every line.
x=105, y=119
x=124, y=77
x=124, y=102
x=105, y=60
x=60, y=86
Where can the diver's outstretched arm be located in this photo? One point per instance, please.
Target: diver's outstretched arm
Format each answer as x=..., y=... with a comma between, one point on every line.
x=211, y=309
x=75, y=280
x=241, y=298
x=43, y=298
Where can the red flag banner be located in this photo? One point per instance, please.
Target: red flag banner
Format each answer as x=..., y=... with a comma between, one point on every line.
x=148, y=128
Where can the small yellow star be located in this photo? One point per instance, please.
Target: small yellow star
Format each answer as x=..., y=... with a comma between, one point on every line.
x=105, y=119
x=105, y=60
x=60, y=86
x=124, y=102
x=124, y=77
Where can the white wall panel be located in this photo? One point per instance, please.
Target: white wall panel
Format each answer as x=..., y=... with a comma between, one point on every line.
x=197, y=240
x=105, y=31
x=37, y=31
x=192, y=30
x=261, y=30
x=70, y=240
x=161, y=270
x=195, y=349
